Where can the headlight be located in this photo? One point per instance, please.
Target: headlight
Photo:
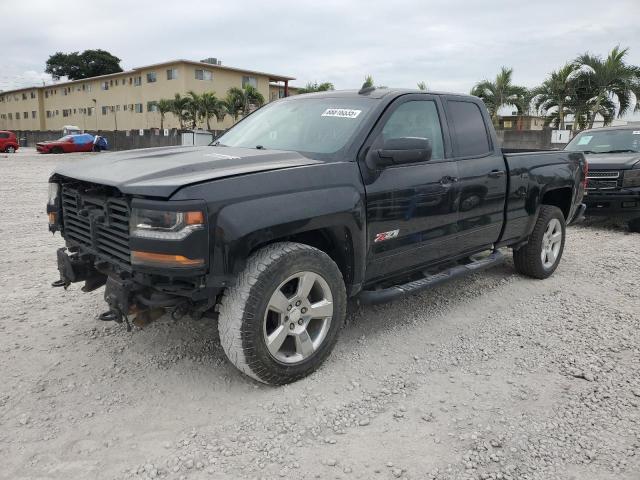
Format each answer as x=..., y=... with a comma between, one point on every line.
x=53, y=205
x=631, y=178
x=164, y=225
x=54, y=190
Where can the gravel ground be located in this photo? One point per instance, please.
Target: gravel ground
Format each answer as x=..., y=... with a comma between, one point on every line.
x=491, y=376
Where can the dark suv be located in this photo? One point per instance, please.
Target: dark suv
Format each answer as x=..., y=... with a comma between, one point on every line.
x=613, y=187
x=8, y=141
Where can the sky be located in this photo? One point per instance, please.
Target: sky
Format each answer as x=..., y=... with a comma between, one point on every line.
x=450, y=45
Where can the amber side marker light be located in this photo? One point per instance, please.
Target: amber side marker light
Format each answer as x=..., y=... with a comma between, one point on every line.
x=194, y=218
x=53, y=218
x=164, y=260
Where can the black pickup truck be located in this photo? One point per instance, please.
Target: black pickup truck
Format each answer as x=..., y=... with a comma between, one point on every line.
x=613, y=184
x=306, y=202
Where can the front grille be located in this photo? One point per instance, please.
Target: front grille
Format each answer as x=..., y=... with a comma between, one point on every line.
x=603, y=174
x=603, y=179
x=99, y=222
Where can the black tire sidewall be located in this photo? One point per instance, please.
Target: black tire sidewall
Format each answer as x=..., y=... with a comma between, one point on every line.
x=259, y=357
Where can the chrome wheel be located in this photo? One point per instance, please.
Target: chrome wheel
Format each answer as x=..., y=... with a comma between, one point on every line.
x=551, y=243
x=297, y=317
x=10, y=150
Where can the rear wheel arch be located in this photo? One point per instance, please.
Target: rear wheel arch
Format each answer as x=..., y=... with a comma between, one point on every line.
x=559, y=197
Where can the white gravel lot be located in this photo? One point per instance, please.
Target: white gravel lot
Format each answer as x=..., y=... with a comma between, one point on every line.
x=492, y=376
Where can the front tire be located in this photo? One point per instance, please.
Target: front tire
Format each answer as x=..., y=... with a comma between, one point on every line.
x=540, y=257
x=280, y=318
x=10, y=149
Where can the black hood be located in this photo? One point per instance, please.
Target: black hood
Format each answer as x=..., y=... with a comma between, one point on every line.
x=159, y=172
x=612, y=161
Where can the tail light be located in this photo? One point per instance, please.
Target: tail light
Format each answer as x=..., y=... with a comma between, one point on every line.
x=585, y=172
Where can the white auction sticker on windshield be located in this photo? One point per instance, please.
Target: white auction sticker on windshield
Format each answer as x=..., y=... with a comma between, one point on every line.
x=636, y=132
x=341, y=112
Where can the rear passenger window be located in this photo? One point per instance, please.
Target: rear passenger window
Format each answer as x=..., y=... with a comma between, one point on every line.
x=470, y=131
x=4, y=135
x=417, y=118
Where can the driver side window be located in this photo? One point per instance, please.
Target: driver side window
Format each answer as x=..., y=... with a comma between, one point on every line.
x=417, y=118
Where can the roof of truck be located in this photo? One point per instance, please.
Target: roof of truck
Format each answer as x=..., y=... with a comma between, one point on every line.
x=373, y=93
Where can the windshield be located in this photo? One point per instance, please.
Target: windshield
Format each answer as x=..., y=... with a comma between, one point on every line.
x=606, y=141
x=66, y=138
x=318, y=127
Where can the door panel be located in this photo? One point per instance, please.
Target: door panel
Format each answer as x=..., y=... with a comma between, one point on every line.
x=411, y=209
x=482, y=177
x=483, y=187
x=415, y=201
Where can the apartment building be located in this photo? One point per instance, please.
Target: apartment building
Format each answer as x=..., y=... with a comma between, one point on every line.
x=127, y=100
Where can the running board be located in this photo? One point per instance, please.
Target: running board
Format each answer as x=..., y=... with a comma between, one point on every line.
x=391, y=293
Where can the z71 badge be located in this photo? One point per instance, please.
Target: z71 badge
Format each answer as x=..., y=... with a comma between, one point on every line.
x=381, y=237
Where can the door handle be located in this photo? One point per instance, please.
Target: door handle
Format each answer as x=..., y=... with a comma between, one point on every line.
x=496, y=173
x=447, y=180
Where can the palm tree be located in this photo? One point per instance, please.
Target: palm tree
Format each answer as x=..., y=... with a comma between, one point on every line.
x=164, y=106
x=316, y=87
x=234, y=102
x=252, y=98
x=194, y=108
x=239, y=101
x=556, y=96
x=501, y=92
x=179, y=109
x=422, y=86
x=211, y=106
x=609, y=79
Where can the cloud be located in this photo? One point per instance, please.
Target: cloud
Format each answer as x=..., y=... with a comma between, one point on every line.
x=448, y=44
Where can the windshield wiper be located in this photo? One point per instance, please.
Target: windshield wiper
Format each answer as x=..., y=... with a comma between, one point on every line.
x=217, y=144
x=260, y=147
x=622, y=150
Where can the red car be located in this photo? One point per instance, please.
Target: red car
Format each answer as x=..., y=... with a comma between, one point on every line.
x=8, y=141
x=67, y=144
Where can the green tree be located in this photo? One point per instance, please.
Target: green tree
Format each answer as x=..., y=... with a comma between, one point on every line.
x=556, y=97
x=179, y=108
x=422, y=86
x=600, y=81
x=164, y=106
x=500, y=92
x=316, y=87
x=211, y=106
x=239, y=101
x=75, y=65
x=193, y=108
x=368, y=82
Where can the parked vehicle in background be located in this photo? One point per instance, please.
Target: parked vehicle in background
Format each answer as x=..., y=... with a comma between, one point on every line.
x=68, y=144
x=307, y=201
x=613, y=185
x=8, y=141
x=71, y=130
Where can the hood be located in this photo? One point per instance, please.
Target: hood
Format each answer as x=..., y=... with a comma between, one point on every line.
x=48, y=142
x=159, y=172
x=613, y=161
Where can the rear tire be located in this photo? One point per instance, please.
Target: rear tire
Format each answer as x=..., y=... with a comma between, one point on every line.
x=540, y=257
x=280, y=318
x=10, y=149
x=634, y=225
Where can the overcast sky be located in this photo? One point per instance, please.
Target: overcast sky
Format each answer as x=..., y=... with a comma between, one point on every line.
x=448, y=44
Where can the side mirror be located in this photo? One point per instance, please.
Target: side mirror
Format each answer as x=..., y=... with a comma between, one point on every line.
x=397, y=151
